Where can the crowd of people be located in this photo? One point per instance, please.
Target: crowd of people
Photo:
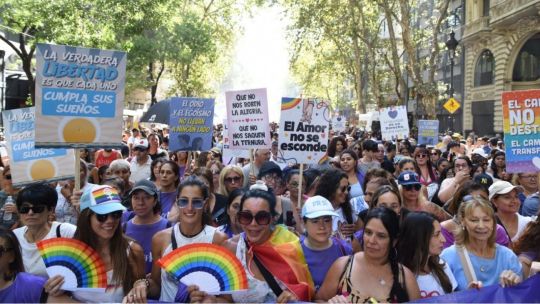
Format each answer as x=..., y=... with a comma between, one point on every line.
x=389, y=221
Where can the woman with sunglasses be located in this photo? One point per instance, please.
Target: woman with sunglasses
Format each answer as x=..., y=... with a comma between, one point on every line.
x=424, y=169
x=319, y=247
x=334, y=186
x=419, y=244
x=36, y=204
x=17, y=286
x=413, y=198
x=193, y=227
x=348, y=162
x=231, y=178
x=272, y=256
x=490, y=262
x=374, y=275
x=99, y=227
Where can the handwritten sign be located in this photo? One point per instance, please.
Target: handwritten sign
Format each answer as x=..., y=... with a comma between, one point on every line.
x=29, y=164
x=394, y=123
x=303, y=130
x=521, y=125
x=428, y=132
x=247, y=115
x=79, y=96
x=190, y=123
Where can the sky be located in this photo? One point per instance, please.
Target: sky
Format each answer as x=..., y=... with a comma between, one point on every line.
x=261, y=60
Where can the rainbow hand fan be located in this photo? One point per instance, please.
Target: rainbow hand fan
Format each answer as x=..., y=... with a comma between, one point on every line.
x=213, y=268
x=79, y=264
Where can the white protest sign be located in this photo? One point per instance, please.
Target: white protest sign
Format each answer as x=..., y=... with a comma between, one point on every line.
x=303, y=130
x=338, y=124
x=29, y=164
x=394, y=123
x=247, y=115
x=229, y=154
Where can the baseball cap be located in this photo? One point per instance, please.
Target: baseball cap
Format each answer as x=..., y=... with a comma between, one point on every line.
x=502, y=187
x=141, y=143
x=101, y=199
x=145, y=185
x=484, y=180
x=479, y=151
x=408, y=178
x=317, y=206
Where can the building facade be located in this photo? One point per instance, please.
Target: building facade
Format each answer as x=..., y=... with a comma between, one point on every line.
x=501, y=41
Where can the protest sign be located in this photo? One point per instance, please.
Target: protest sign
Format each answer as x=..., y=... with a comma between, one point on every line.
x=394, y=123
x=27, y=163
x=79, y=96
x=521, y=125
x=338, y=124
x=303, y=130
x=247, y=115
x=229, y=154
x=428, y=132
x=191, y=124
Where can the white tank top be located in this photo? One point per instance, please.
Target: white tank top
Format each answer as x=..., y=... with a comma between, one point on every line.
x=169, y=287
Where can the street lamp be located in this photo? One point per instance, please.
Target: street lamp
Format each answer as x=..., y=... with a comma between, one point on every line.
x=452, y=44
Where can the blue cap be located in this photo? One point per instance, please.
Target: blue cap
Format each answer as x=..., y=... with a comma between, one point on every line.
x=101, y=199
x=408, y=178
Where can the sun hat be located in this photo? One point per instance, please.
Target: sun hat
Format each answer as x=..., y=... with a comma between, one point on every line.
x=101, y=199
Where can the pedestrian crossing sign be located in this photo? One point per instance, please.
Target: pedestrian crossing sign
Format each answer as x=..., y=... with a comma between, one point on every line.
x=452, y=105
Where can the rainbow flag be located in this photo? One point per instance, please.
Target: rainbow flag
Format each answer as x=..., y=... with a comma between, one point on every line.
x=282, y=255
x=105, y=194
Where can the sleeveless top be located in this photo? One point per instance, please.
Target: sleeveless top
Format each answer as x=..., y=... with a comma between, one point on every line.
x=259, y=291
x=169, y=286
x=346, y=289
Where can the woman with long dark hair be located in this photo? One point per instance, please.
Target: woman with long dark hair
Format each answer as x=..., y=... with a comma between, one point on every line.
x=419, y=244
x=337, y=144
x=527, y=247
x=232, y=227
x=374, y=275
x=334, y=186
x=348, y=162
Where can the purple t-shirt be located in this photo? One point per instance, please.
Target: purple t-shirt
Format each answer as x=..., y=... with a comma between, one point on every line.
x=143, y=235
x=319, y=261
x=167, y=200
x=26, y=288
x=501, y=237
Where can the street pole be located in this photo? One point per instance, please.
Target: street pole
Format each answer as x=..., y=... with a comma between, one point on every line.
x=452, y=44
x=2, y=84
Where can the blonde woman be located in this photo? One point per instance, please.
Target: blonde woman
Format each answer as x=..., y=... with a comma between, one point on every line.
x=230, y=178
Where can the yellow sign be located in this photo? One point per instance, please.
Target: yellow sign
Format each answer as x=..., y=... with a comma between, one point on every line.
x=452, y=105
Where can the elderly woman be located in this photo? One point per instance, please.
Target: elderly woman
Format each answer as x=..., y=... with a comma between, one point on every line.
x=374, y=275
x=490, y=263
x=121, y=168
x=504, y=196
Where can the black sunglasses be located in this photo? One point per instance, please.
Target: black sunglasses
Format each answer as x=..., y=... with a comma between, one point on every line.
x=103, y=217
x=139, y=149
x=235, y=179
x=411, y=187
x=35, y=209
x=346, y=188
x=261, y=217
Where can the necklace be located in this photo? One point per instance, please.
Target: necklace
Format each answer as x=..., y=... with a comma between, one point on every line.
x=382, y=281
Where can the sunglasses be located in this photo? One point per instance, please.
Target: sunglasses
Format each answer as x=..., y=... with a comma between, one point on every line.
x=261, y=217
x=102, y=218
x=3, y=250
x=139, y=149
x=323, y=219
x=421, y=155
x=35, y=209
x=8, y=176
x=416, y=187
x=345, y=188
x=197, y=203
x=230, y=180
x=434, y=153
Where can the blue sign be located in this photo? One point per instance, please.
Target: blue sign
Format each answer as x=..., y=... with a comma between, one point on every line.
x=191, y=124
x=428, y=132
x=71, y=102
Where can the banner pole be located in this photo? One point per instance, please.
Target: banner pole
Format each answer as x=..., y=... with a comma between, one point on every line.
x=77, y=169
x=300, y=179
x=251, y=164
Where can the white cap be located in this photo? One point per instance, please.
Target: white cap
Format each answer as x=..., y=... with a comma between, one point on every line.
x=502, y=187
x=479, y=151
x=141, y=142
x=317, y=206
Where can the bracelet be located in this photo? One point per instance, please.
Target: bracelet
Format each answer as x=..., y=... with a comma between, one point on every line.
x=145, y=280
